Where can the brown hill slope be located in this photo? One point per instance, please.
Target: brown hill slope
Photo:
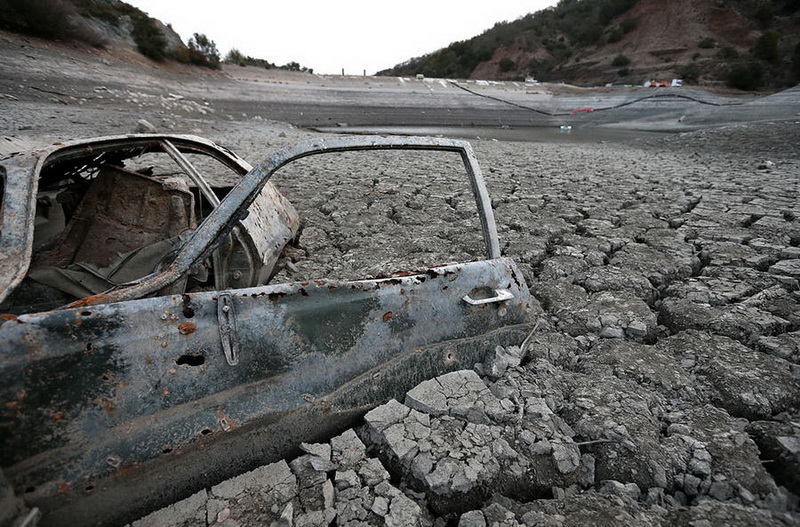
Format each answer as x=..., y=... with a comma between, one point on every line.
x=628, y=41
x=666, y=38
x=113, y=25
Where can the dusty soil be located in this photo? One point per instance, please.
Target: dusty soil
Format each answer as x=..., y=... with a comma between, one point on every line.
x=662, y=385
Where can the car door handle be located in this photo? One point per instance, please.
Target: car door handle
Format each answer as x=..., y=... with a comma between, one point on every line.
x=501, y=295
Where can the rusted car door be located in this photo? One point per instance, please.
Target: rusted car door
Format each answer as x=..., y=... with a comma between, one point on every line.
x=123, y=402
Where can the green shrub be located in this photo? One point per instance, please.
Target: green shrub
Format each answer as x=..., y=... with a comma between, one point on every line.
x=506, y=65
x=615, y=35
x=628, y=25
x=796, y=62
x=610, y=9
x=44, y=18
x=766, y=47
x=234, y=56
x=541, y=69
x=727, y=53
x=620, y=60
x=746, y=76
x=763, y=12
x=589, y=34
x=105, y=11
x=690, y=72
x=624, y=72
x=295, y=66
x=707, y=43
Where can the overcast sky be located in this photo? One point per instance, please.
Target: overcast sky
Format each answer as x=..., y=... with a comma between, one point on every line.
x=328, y=35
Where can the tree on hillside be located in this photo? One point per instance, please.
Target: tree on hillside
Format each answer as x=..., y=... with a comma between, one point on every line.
x=796, y=62
x=235, y=56
x=203, y=51
x=746, y=76
x=507, y=64
x=295, y=66
x=766, y=47
x=150, y=40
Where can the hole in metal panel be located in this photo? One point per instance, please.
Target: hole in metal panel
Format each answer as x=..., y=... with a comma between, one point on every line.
x=191, y=359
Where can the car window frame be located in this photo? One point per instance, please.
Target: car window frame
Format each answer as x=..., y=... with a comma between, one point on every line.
x=234, y=206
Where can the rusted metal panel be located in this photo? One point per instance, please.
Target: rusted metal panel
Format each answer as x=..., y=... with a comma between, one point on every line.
x=133, y=492
x=262, y=234
x=91, y=392
x=16, y=236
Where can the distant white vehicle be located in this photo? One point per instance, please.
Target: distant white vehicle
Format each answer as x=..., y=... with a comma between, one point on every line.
x=677, y=83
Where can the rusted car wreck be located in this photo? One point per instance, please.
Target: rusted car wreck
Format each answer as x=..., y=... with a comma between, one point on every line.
x=143, y=355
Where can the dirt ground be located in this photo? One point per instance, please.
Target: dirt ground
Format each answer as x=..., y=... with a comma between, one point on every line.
x=662, y=386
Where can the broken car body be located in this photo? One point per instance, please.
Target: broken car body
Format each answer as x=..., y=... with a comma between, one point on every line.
x=145, y=357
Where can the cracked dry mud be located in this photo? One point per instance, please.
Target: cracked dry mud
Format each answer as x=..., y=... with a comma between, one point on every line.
x=661, y=386
x=662, y=383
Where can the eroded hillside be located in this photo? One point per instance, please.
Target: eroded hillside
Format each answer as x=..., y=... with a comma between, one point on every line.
x=746, y=44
